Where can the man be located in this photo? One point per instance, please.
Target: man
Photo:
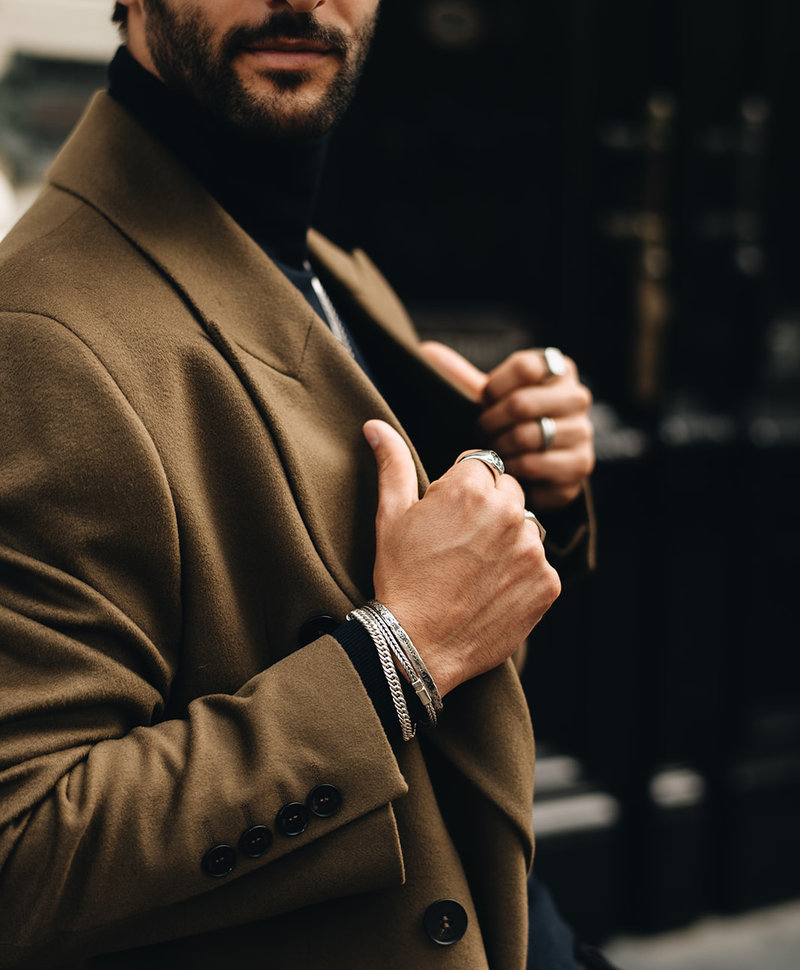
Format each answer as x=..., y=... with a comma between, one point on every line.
x=203, y=755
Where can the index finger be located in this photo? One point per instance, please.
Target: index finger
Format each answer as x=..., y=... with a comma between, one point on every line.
x=522, y=369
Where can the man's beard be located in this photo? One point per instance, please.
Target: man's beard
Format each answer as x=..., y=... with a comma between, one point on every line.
x=188, y=60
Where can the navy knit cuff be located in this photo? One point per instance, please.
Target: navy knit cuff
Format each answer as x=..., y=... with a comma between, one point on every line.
x=358, y=646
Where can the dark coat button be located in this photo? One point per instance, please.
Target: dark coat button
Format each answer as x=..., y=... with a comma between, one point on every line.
x=292, y=819
x=315, y=628
x=219, y=861
x=324, y=800
x=255, y=841
x=445, y=921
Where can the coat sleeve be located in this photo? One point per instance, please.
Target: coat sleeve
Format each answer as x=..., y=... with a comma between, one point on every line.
x=571, y=538
x=107, y=809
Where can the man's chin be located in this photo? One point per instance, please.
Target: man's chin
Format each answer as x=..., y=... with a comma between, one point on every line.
x=284, y=103
x=284, y=81
x=283, y=121
x=288, y=104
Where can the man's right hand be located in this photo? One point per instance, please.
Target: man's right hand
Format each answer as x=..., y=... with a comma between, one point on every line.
x=462, y=569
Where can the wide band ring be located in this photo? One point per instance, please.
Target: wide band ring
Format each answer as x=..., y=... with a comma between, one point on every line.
x=491, y=459
x=554, y=361
x=532, y=518
x=548, y=427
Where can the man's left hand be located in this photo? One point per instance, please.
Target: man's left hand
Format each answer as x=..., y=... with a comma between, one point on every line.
x=515, y=396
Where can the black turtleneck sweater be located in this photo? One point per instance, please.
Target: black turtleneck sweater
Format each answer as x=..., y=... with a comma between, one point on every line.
x=269, y=186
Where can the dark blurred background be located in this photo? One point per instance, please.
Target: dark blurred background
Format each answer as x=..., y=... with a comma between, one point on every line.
x=619, y=179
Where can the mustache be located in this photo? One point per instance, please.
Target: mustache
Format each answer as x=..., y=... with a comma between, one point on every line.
x=288, y=26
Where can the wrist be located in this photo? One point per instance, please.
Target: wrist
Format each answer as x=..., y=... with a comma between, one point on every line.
x=405, y=671
x=429, y=646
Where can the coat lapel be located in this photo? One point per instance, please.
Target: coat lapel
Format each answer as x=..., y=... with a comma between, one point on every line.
x=313, y=396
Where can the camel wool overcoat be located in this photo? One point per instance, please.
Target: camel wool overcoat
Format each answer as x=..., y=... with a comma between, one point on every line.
x=184, y=485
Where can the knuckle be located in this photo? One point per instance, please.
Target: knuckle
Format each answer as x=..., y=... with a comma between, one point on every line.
x=585, y=430
x=575, y=400
x=554, y=584
x=519, y=492
x=517, y=407
x=508, y=524
x=472, y=490
x=518, y=437
x=533, y=548
x=507, y=511
x=589, y=462
x=569, y=474
x=527, y=465
x=547, y=579
x=512, y=513
x=527, y=366
x=519, y=360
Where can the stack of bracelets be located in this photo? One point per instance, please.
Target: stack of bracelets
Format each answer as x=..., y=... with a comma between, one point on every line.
x=394, y=644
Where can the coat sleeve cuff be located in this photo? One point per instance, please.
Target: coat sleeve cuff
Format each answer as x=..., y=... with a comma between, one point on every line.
x=570, y=541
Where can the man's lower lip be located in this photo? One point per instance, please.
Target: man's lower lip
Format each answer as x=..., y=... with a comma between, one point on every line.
x=286, y=60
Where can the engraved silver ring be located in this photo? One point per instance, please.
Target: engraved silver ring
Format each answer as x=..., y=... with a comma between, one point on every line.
x=491, y=459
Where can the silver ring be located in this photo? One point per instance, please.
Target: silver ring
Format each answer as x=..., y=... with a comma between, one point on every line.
x=532, y=518
x=548, y=427
x=491, y=459
x=554, y=361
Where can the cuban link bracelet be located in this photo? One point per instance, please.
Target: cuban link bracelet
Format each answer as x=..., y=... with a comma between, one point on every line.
x=423, y=695
x=366, y=619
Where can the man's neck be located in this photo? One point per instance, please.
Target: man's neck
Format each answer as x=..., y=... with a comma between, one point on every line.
x=268, y=186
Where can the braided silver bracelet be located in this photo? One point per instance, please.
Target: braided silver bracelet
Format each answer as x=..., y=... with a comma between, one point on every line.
x=412, y=676
x=367, y=620
x=410, y=651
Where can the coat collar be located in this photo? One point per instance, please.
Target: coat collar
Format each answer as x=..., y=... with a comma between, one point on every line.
x=114, y=165
x=117, y=167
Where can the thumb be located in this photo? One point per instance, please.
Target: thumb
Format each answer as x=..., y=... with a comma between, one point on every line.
x=398, y=488
x=458, y=369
